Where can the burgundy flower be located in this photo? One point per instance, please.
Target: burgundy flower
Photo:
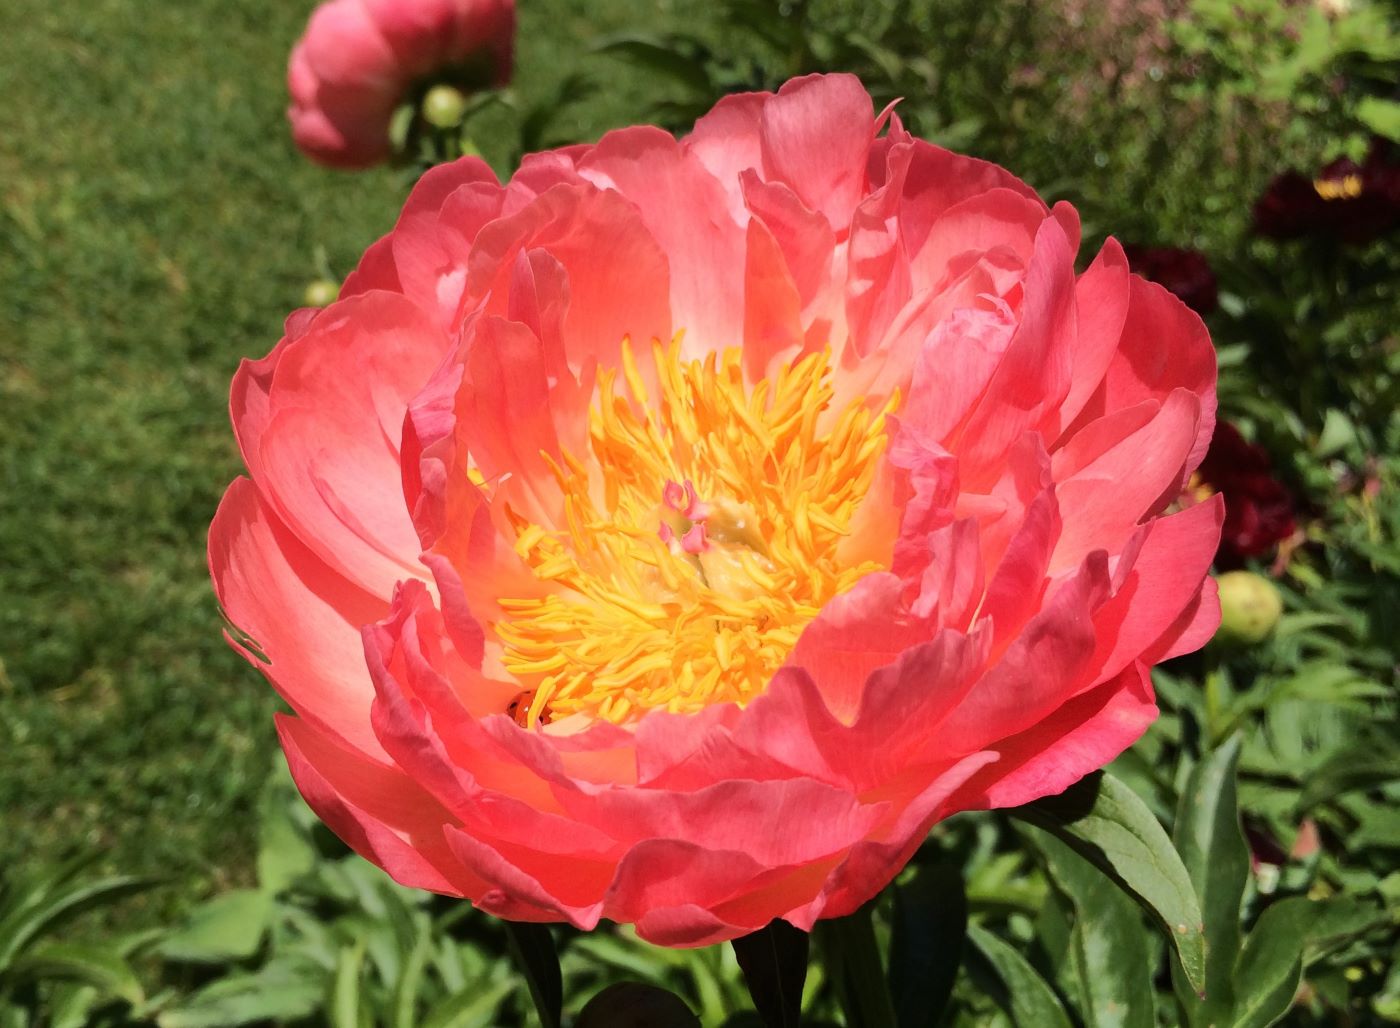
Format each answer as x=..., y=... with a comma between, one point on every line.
x=1185, y=272
x=1353, y=203
x=1259, y=509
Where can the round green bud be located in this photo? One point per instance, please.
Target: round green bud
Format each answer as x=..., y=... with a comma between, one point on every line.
x=445, y=106
x=321, y=293
x=1250, y=607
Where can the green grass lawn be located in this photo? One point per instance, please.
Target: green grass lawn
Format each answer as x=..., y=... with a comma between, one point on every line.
x=156, y=225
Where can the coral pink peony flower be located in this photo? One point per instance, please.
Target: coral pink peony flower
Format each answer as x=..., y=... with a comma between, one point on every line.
x=359, y=59
x=675, y=533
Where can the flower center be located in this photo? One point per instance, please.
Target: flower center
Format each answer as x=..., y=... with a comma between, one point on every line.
x=696, y=545
x=1348, y=187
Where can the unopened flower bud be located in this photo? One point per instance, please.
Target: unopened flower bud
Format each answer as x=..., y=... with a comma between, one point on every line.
x=1250, y=607
x=445, y=106
x=321, y=293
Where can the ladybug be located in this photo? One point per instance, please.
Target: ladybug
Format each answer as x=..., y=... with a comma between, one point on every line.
x=519, y=709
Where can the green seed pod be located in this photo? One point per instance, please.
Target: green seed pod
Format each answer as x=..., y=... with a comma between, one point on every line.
x=320, y=293
x=1250, y=607
x=444, y=106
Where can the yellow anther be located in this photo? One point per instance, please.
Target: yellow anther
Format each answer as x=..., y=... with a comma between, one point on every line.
x=639, y=618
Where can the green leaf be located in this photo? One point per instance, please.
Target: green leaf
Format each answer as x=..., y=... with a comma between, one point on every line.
x=926, y=943
x=1108, y=944
x=1211, y=843
x=853, y=957
x=97, y=966
x=43, y=904
x=1338, y=432
x=285, y=851
x=532, y=946
x=1287, y=937
x=282, y=991
x=411, y=977
x=227, y=927
x=1018, y=988
x=661, y=54
x=1107, y=824
x=774, y=962
x=1369, y=763
x=345, y=989
x=1380, y=116
x=472, y=1007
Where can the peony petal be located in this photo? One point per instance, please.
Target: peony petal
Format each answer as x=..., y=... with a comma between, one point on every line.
x=704, y=247
x=1164, y=582
x=298, y=613
x=1137, y=477
x=815, y=136
x=1082, y=736
x=429, y=269
x=1164, y=347
x=328, y=459
x=379, y=812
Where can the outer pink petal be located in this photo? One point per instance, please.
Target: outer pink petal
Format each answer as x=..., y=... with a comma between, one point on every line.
x=379, y=811
x=938, y=180
x=772, y=332
x=1192, y=630
x=420, y=33
x=1041, y=670
x=344, y=46
x=1082, y=736
x=250, y=395
x=872, y=864
x=1101, y=298
x=1105, y=501
x=1165, y=582
x=514, y=893
x=376, y=270
x=301, y=615
x=726, y=141
x=805, y=238
x=816, y=819
x=328, y=459
x=430, y=267
x=1034, y=373
x=1164, y=346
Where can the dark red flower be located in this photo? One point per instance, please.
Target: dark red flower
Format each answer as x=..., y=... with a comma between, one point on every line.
x=1259, y=509
x=1185, y=272
x=1353, y=203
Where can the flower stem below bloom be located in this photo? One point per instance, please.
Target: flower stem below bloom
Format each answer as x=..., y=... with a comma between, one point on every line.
x=852, y=955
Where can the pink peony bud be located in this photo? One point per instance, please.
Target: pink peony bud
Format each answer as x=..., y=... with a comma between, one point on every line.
x=359, y=59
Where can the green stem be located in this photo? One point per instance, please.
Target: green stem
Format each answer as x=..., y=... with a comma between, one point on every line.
x=532, y=947
x=853, y=959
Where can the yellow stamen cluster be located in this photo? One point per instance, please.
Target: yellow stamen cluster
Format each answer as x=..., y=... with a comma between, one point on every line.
x=635, y=620
x=1348, y=187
